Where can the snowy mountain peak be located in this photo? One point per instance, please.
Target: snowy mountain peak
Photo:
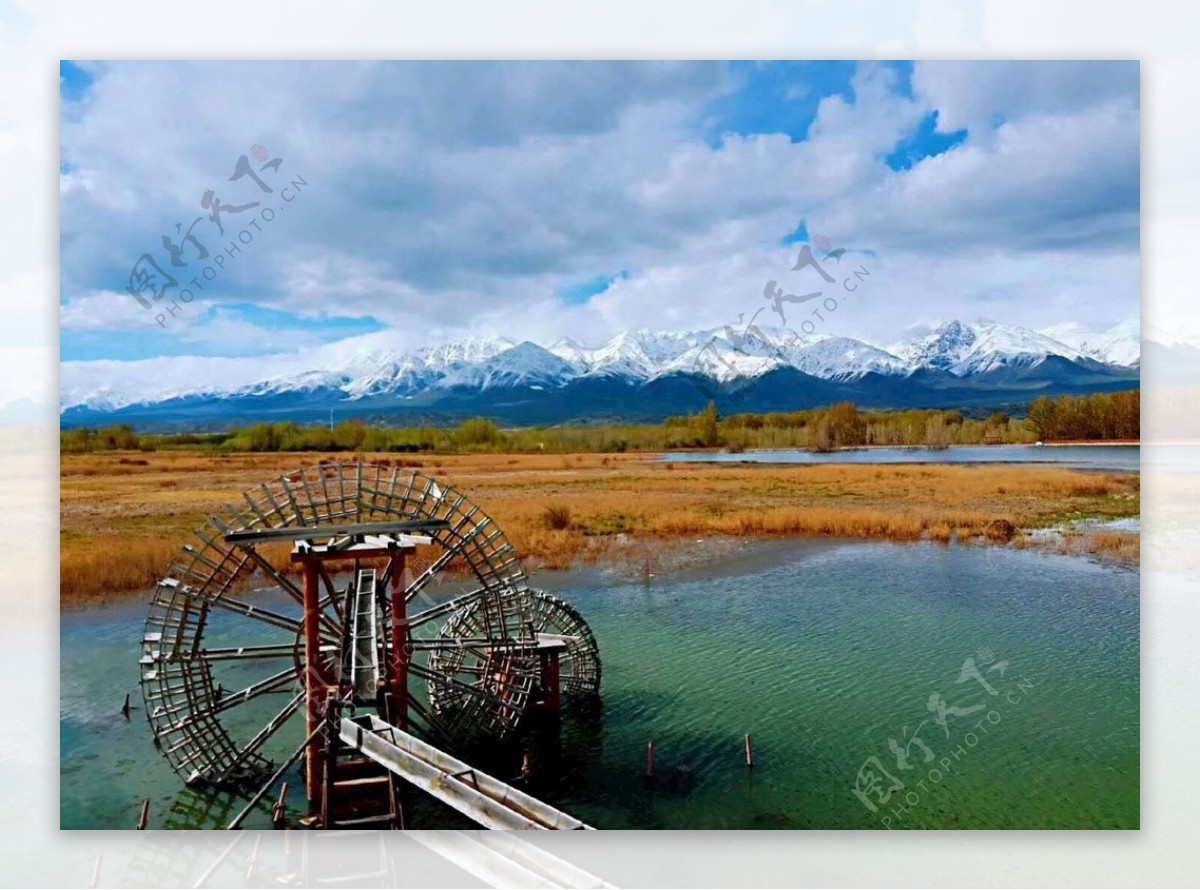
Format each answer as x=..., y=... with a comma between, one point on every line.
x=525, y=364
x=942, y=348
x=1119, y=345
x=964, y=349
x=640, y=354
x=841, y=358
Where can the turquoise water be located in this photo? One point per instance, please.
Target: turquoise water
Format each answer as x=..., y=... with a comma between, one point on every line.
x=822, y=651
x=1097, y=457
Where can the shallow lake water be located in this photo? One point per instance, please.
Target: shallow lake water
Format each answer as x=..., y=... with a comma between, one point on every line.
x=822, y=651
x=1096, y=457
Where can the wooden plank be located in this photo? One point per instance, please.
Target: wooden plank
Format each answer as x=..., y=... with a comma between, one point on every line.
x=483, y=798
x=305, y=532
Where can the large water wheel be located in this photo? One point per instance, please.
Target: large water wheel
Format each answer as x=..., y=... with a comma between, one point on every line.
x=223, y=639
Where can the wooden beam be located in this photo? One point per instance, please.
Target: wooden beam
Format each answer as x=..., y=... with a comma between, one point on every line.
x=305, y=554
x=306, y=532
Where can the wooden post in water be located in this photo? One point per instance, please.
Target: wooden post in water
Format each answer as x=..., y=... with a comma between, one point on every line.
x=551, y=680
x=749, y=752
x=650, y=760
x=278, y=813
x=144, y=817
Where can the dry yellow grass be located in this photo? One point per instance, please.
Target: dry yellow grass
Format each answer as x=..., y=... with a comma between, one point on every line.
x=122, y=520
x=1122, y=548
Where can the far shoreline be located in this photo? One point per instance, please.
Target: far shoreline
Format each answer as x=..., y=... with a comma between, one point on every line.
x=1066, y=443
x=1088, y=443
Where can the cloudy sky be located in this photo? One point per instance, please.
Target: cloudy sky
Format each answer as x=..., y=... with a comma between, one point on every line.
x=419, y=202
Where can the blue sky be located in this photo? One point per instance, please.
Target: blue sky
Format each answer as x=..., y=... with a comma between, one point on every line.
x=781, y=97
x=538, y=200
x=73, y=80
x=926, y=141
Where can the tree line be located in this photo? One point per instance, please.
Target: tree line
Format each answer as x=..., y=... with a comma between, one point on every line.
x=1095, y=417
x=1115, y=415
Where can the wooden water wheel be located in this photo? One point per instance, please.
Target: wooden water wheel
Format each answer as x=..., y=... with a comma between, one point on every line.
x=225, y=630
x=553, y=621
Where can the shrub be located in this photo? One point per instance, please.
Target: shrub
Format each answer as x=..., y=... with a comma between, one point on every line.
x=477, y=431
x=556, y=516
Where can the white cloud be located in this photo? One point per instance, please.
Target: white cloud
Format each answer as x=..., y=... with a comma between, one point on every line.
x=105, y=310
x=446, y=199
x=969, y=95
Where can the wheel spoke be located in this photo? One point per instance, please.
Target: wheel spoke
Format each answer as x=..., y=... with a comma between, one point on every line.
x=254, y=690
x=445, y=608
x=273, y=726
x=235, y=653
x=450, y=682
x=256, y=612
x=331, y=596
x=469, y=643
x=426, y=576
x=284, y=582
x=431, y=719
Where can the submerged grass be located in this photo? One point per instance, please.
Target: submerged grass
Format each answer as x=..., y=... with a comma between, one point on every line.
x=124, y=516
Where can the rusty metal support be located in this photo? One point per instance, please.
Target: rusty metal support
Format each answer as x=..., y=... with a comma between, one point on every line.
x=313, y=683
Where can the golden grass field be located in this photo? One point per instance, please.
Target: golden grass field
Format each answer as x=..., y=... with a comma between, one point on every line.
x=125, y=515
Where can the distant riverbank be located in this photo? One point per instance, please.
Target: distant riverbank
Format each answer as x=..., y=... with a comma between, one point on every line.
x=1120, y=458
x=1092, y=443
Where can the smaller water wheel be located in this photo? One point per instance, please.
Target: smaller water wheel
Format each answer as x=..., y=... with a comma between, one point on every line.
x=560, y=636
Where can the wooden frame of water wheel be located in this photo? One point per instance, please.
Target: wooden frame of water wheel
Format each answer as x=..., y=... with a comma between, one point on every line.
x=479, y=667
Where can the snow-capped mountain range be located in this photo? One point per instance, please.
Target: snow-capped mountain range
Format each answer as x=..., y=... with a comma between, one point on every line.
x=641, y=355
x=954, y=357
